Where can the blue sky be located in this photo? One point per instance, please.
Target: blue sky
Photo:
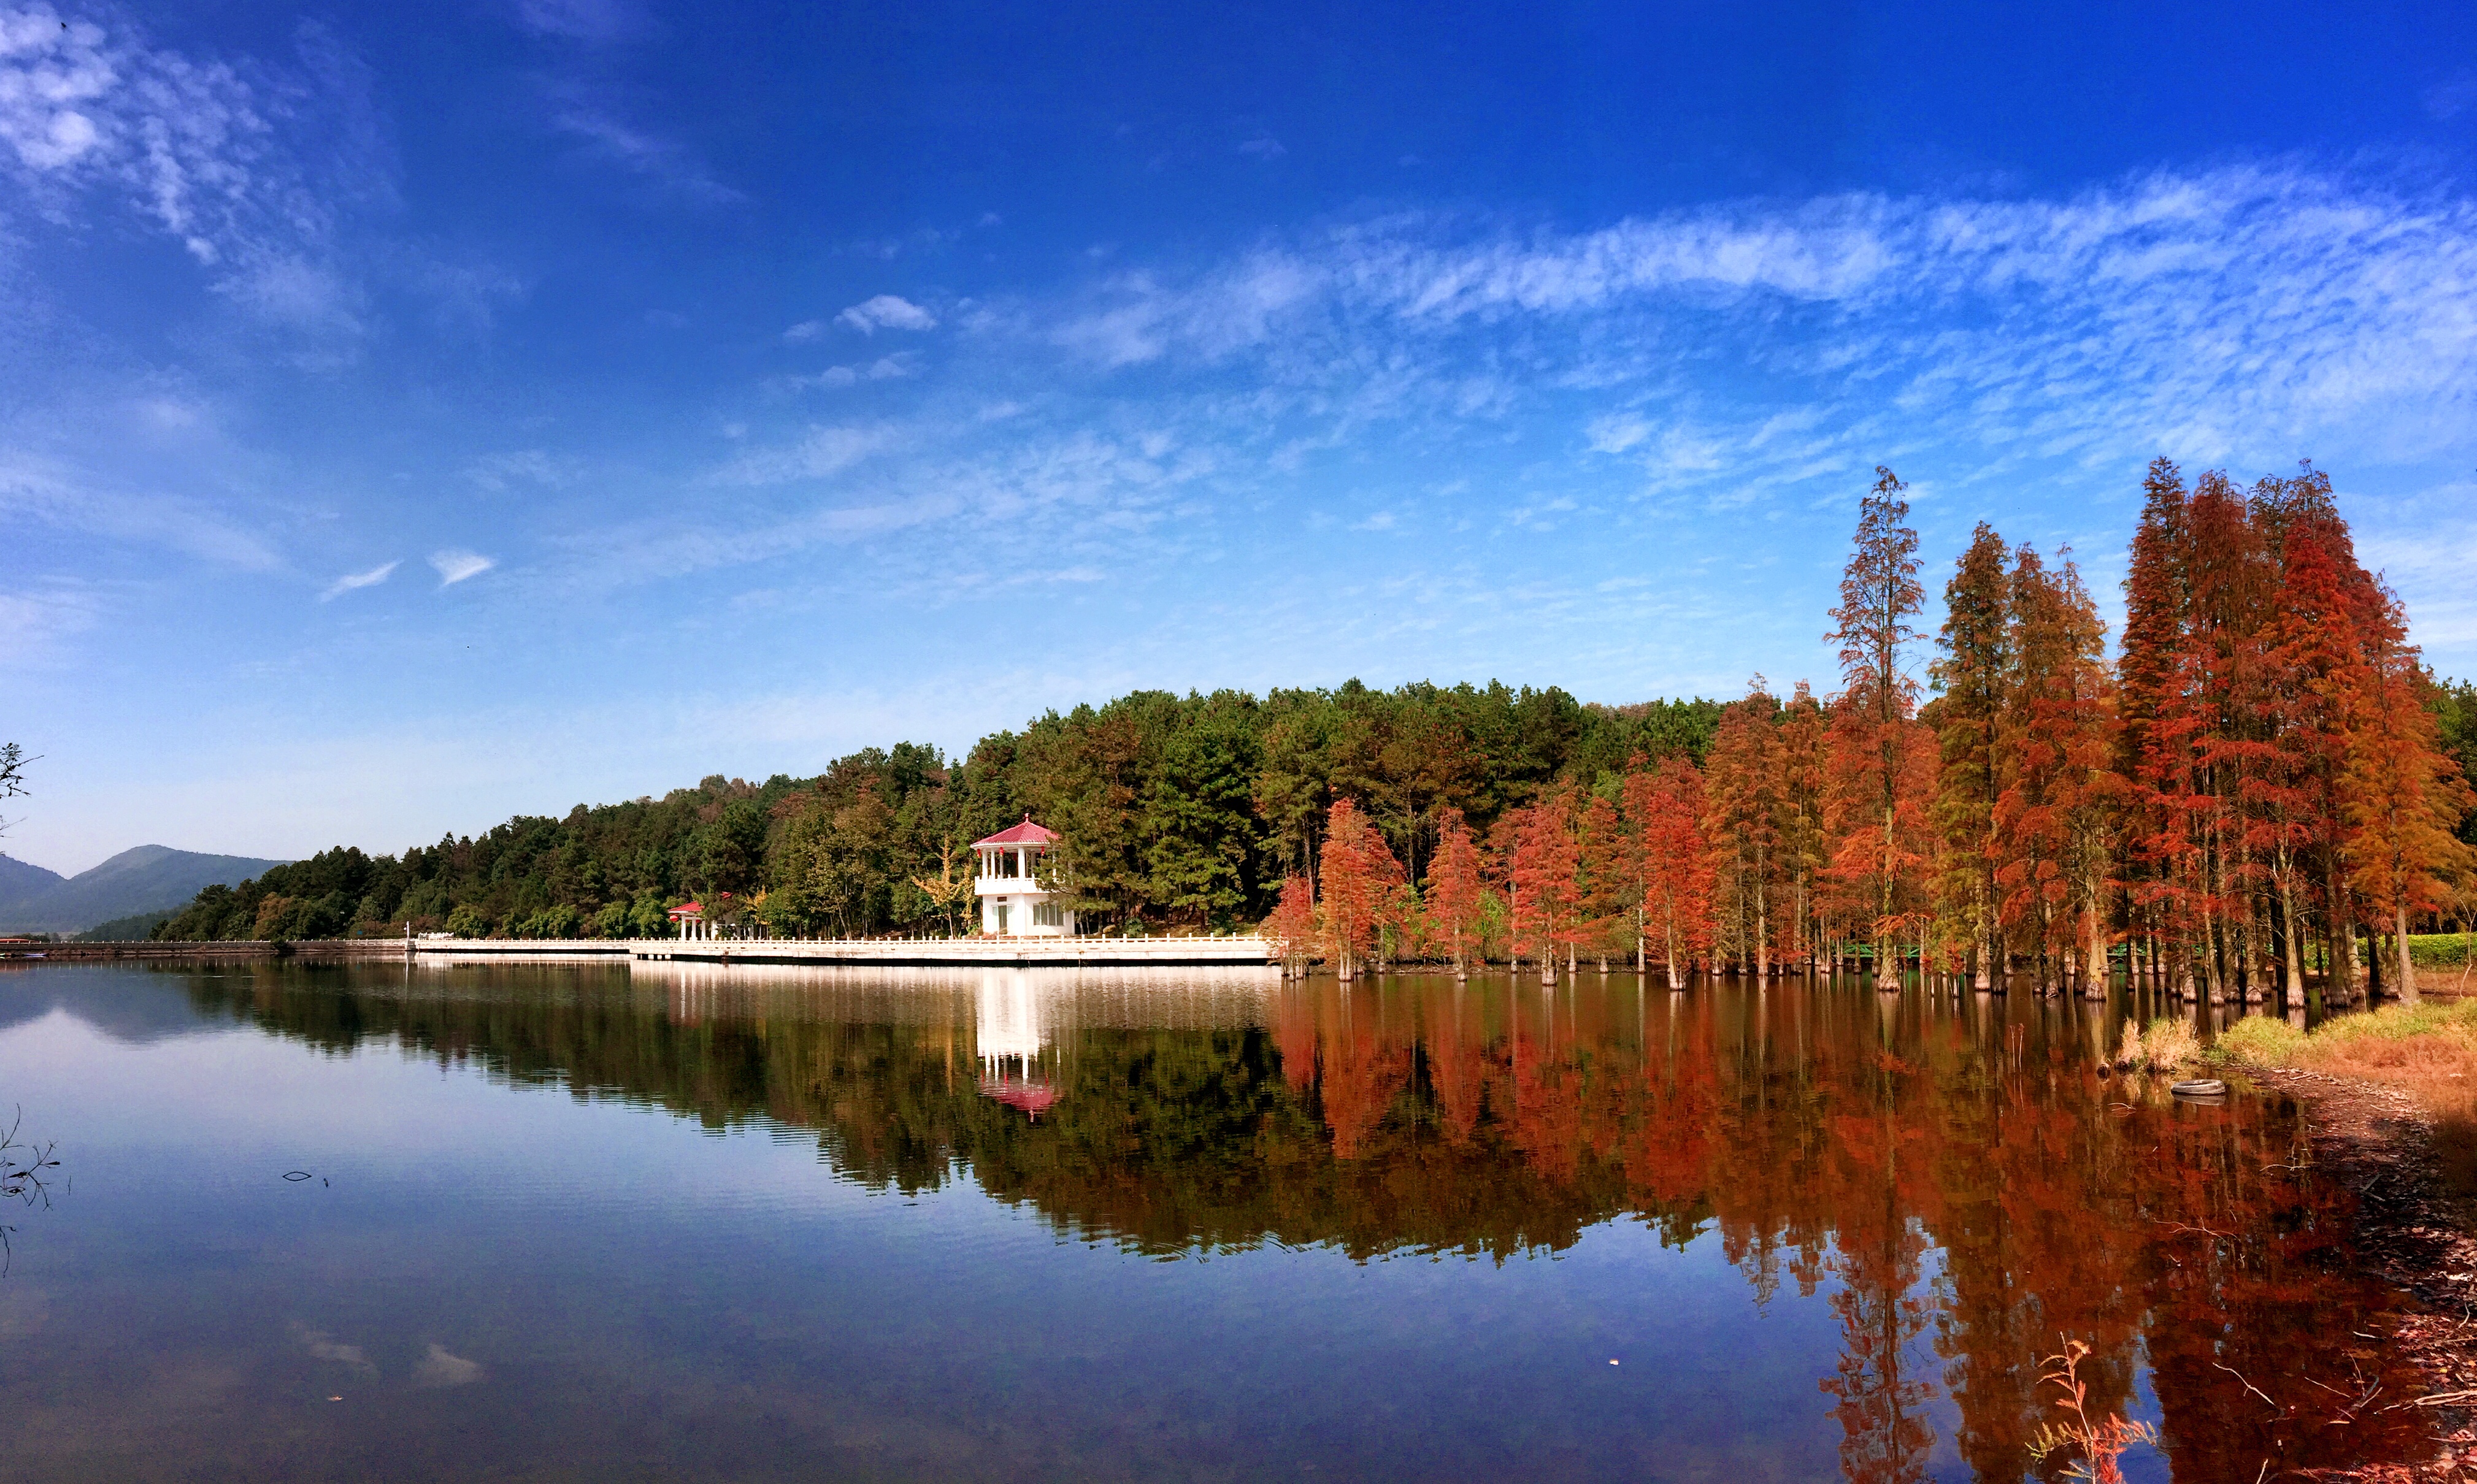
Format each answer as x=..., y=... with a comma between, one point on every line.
x=414, y=415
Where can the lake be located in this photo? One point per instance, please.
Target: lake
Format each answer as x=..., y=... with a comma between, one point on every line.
x=674, y=1222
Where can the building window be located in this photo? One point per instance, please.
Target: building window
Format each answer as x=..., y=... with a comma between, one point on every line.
x=1048, y=914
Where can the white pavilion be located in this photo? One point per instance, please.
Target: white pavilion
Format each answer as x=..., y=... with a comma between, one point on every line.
x=1013, y=903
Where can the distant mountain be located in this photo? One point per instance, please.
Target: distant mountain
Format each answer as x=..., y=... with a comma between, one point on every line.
x=149, y=878
x=19, y=881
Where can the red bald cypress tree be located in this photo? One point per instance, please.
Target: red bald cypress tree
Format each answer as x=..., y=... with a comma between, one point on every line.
x=2060, y=792
x=2146, y=679
x=1971, y=678
x=1804, y=734
x=2403, y=796
x=2316, y=669
x=1359, y=873
x=1612, y=873
x=1546, y=862
x=1638, y=804
x=1454, y=885
x=1293, y=925
x=1882, y=767
x=1677, y=896
x=1741, y=809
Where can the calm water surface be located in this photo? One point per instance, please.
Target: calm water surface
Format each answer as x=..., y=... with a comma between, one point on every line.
x=680, y=1222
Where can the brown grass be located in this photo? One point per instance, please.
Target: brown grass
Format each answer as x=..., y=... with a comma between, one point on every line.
x=2428, y=1050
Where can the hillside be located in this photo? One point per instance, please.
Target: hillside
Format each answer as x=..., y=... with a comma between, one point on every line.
x=144, y=880
x=20, y=882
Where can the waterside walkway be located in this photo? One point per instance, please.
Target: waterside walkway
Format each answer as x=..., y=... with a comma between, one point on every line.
x=881, y=952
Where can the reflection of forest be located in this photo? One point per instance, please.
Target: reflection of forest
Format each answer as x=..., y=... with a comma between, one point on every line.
x=1961, y=1179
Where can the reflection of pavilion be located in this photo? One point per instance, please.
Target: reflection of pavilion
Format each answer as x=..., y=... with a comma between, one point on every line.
x=1013, y=1040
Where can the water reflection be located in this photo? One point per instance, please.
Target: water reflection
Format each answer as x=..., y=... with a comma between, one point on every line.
x=1957, y=1178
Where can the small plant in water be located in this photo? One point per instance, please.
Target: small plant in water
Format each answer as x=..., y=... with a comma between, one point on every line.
x=2168, y=1044
x=2101, y=1442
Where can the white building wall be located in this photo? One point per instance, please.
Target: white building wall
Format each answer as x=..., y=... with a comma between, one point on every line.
x=1019, y=895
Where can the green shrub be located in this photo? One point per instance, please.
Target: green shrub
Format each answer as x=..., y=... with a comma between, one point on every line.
x=2269, y=1040
x=2438, y=950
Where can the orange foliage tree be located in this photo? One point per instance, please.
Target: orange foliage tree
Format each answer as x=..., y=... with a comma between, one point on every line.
x=1742, y=814
x=1455, y=886
x=1358, y=875
x=1677, y=871
x=1881, y=767
x=1546, y=900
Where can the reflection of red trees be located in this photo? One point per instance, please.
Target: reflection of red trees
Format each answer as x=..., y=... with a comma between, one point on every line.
x=1823, y=1135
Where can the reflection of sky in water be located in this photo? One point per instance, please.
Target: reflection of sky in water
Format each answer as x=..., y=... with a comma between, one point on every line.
x=503, y=1275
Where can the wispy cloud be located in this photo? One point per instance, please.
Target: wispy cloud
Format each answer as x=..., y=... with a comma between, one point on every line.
x=353, y=582
x=529, y=465
x=2451, y=97
x=37, y=617
x=1262, y=147
x=816, y=454
x=57, y=493
x=455, y=564
x=246, y=164
x=2227, y=314
x=585, y=21
x=886, y=368
x=662, y=162
x=886, y=312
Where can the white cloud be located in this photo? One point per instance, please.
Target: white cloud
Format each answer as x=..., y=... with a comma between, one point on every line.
x=886, y=368
x=1616, y=431
x=250, y=166
x=455, y=565
x=36, y=619
x=667, y=163
x=805, y=330
x=61, y=494
x=1262, y=147
x=2451, y=97
x=886, y=312
x=585, y=21
x=816, y=454
x=440, y=1369
x=353, y=582
x=530, y=465
x=2241, y=314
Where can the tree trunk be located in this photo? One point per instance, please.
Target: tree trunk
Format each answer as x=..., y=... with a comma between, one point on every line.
x=2407, y=963
x=2291, y=949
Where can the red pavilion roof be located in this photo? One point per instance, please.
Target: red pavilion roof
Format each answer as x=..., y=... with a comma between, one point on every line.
x=1025, y=833
x=689, y=909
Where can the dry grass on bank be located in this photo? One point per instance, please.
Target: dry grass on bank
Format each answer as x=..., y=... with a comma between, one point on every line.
x=2429, y=1049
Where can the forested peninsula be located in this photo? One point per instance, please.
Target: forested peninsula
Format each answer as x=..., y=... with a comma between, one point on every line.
x=1179, y=812
x=2262, y=773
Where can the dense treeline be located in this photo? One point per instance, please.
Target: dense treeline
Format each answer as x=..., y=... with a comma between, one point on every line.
x=2261, y=783
x=2265, y=775
x=1175, y=813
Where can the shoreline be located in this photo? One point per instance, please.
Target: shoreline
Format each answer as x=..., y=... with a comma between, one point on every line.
x=2415, y=1235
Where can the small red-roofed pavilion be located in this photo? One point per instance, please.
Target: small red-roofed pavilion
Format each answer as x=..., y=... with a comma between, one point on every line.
x=1013, y=904
x=689, y=918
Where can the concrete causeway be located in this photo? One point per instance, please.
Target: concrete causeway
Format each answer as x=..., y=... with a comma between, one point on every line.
x=885, y=952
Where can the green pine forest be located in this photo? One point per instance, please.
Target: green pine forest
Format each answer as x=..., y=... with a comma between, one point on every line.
x=1176, y=813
